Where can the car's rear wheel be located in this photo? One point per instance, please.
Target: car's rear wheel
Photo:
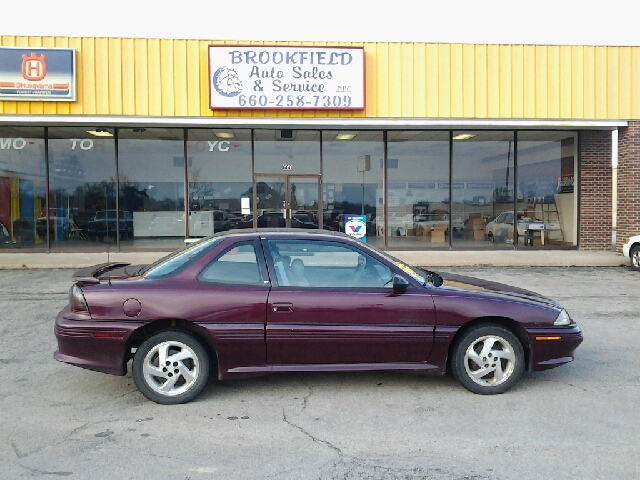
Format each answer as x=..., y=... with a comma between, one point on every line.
x=634, y=256
x=488, y=359
x=171, y=367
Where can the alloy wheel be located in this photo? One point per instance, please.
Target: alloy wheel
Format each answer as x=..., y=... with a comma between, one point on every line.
x=489, y=360
x=171, y=368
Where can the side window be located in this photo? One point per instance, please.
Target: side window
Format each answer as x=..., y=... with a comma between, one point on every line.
x=323, y=264
x=238, y=265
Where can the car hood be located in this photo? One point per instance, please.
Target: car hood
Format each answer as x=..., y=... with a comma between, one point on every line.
x=109, y=271
x=472, y=284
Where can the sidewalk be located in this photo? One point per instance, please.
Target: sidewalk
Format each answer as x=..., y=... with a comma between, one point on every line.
x=434, y=259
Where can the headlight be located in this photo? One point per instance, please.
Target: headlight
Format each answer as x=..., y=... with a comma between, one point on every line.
x=563, y=318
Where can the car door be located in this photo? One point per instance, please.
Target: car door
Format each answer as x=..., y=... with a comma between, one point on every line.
x=332, y=311
x=229, y=299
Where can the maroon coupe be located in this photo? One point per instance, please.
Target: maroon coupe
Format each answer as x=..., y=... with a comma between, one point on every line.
x=260, y=301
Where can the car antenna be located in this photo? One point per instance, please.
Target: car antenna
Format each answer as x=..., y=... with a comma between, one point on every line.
x=106, y=220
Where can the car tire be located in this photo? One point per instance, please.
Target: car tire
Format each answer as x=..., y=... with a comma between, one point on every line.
x=634, y=257
x=188, y=370
x=491, y=349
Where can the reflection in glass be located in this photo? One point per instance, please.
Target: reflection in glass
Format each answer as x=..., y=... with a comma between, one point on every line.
x=547, y=198
x=483, y=187
x=220, y=186
x=22, y=188
x=287, y=201
x=151, y=174
x=352, y=179
x=418, y=190
x=82, y=173
x=287, y=151
x=303, y=202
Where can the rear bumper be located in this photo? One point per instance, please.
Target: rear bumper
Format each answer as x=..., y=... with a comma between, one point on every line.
x=553, y=346
x=99, y=346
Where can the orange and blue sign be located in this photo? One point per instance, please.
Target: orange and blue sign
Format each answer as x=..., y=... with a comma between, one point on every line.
x=37, y=74
x=356, y=226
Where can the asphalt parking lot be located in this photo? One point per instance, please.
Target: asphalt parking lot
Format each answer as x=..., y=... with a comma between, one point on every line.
x=576, y=421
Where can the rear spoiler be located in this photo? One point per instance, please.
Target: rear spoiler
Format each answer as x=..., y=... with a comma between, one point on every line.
x=84, y=281
x=96, y=271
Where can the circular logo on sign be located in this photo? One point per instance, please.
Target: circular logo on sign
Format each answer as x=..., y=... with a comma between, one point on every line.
x=227, y=82
x=356, y=228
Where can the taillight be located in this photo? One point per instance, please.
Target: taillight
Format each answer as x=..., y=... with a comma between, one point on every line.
x=76, y=300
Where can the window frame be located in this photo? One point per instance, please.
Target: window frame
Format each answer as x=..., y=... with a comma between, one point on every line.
x=276, y=284
x=262, y=271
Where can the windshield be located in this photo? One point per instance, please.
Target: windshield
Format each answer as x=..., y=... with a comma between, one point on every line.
x=178, y=259
x=419, y=275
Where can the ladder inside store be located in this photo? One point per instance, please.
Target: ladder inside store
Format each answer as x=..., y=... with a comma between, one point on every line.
x=546, y=210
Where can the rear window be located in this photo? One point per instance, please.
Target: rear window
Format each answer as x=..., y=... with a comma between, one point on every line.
x=179, y=259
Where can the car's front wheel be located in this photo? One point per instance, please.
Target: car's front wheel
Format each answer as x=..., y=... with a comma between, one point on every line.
x=634, y=256
x=488, y=359
x=171, y=367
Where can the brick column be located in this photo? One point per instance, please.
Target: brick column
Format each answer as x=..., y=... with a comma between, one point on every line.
x=628, y=217
x=595, y=190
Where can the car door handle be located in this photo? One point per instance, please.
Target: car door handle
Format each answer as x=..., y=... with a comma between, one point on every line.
x=282, y=307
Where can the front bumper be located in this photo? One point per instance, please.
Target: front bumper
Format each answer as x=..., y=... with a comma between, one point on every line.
x=99, y=346
x=553, y=346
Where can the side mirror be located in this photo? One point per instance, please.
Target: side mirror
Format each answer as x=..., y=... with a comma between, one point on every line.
x=400, y=285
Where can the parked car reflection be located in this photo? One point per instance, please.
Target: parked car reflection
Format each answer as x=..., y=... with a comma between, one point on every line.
x=103, y=225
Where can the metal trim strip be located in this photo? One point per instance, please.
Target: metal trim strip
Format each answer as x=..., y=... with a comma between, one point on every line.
x=329, y=123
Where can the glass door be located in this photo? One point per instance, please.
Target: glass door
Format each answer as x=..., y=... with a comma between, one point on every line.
x=287, y=201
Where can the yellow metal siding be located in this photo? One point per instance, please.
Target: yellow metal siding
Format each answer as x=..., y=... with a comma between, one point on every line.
x=151, y=77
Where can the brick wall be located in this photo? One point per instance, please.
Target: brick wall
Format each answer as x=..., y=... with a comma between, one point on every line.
x=628, y=217
x=595, y=190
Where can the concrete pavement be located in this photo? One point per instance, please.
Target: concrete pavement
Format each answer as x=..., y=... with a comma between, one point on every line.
x=435, y=259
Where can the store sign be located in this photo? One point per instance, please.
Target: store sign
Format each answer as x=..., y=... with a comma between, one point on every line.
x=37, y=74
x=356, y=226
x=286, y=78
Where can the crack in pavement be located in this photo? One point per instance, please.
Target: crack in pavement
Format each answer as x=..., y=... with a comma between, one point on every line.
x=46, y=472
x=19, y=454
x=318, y=440
x=568, y=384
x=309, y=394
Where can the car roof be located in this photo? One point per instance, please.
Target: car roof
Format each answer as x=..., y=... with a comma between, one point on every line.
x=285, y=232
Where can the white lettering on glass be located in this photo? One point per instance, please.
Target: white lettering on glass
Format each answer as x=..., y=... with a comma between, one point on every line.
x=15, y=143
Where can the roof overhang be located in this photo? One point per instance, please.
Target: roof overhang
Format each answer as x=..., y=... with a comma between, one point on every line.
x=312, y=123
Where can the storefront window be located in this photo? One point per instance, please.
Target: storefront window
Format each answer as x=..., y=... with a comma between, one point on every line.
x=220, y=180
x=418, y=214
x=291, y=152
x=482, y=187
x=151, y=173
x=82, y=173
x=546, y=193
x=352, y=179
x=22, y=188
